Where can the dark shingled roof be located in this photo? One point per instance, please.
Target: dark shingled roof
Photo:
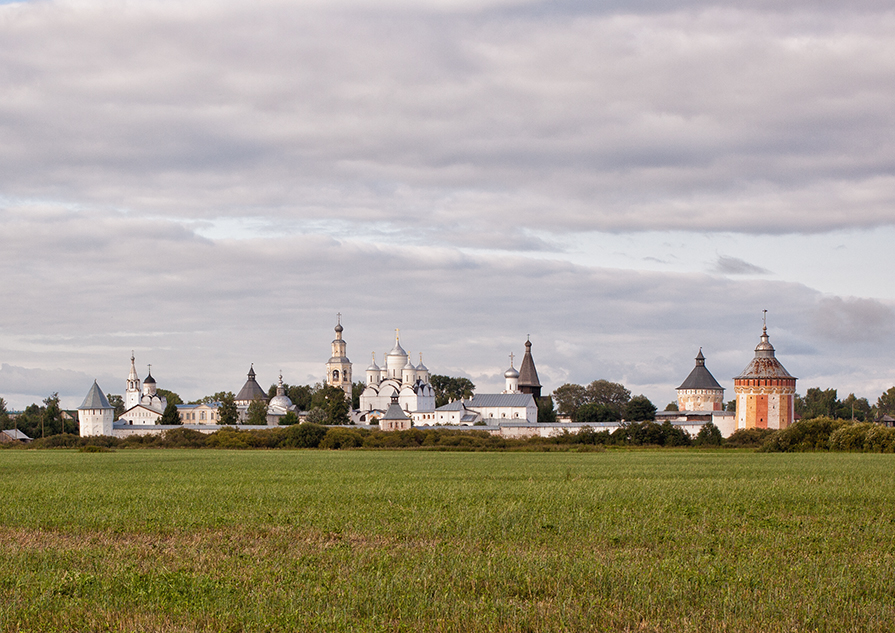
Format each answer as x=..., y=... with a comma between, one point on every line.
x=395, y=412
x=251, y=390
x=528, y=375
x=95, y=399
x=700, y=377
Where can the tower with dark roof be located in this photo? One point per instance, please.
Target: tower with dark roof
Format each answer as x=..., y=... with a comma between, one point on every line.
x=765, y=391
x=528, y=375
x=700, y=391
x=250, y=391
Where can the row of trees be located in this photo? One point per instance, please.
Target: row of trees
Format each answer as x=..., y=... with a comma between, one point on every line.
x=602, y=401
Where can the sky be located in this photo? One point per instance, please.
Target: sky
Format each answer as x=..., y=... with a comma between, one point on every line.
x=208, y=184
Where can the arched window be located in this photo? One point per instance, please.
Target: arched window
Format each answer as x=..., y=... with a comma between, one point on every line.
x=335, y=375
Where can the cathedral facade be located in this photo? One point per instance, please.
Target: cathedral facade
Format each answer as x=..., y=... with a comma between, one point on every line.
x=401, y=378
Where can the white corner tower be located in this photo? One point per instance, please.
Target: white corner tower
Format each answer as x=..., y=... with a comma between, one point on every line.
x=95, y=415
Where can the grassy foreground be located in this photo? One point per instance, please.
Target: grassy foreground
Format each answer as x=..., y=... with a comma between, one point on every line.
x=659, y=540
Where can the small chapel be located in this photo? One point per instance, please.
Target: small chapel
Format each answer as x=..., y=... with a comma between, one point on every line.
x=142, y=402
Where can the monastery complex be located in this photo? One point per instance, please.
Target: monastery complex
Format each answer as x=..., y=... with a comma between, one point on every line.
x=398, y=395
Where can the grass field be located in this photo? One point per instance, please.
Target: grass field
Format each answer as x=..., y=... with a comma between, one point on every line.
x=650, y=540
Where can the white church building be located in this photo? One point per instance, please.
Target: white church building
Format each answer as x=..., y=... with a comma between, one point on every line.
x=142, y=403
x=401, y=378
x=491, y=408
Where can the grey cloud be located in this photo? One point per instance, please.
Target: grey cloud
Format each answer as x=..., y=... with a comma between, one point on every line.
x=749, y=120
x=727, y=265
x=854, y=320
x=201, y=311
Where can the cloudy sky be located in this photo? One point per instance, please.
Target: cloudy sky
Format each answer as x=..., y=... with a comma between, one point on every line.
x=209, y=183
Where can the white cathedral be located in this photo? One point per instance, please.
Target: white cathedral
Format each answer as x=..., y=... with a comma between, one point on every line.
x=399, y=377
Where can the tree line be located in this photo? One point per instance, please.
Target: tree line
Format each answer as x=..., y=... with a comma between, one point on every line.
x=602, y=401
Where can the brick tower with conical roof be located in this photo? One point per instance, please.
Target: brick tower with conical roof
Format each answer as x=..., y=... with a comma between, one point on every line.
x=765, y=391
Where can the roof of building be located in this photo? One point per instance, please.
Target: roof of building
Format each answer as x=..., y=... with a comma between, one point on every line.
x=16, y=434
x=251, y=390
x=700, y=377
x=765, y=363
x=95, y=399
x=149, y=379
x=490, y=400
x=528, y=375
x=395, y=412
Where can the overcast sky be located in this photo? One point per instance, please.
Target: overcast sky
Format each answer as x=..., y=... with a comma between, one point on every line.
x=209, y=183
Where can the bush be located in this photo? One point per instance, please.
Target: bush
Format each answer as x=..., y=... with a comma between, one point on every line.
x=342, y=438
x=865, y=436
x=93, y=448
x=880, y=439
x=804, y=435
x=586, y=436
x=304, y=435
x=183, y=438
x=849, y=437
x=748, y=438
x=227, y=437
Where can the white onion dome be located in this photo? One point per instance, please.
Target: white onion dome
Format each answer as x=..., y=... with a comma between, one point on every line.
x=373, y=366
x=511, y=373
x=281, y=399
x=409, y=365
x=397, y=350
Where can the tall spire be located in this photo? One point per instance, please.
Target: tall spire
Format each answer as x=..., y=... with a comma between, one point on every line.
x=528, y=375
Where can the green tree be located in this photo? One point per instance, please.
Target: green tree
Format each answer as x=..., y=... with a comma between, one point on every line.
x=333, y=402
x=170, y=396
x=227, y=413
x=356, y=390
x=30, y=421
x=612, y=394
x=817, y=403
x=672, y=406
x=257, y=413
x=731, y=406
x=170, y=417
x=546, y=413
x=117, y=402
x=569, y=397
x=448, y=388
x=709, y=435
x=52, y=416
x=595, y=412
x=885, y=404
x=4, y=415
x=217, y=397
x=316, y=416
x=640, y=408
x=289, y=419
x=854, y=408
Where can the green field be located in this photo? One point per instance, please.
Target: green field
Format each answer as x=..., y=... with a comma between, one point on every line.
x=650, y=540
